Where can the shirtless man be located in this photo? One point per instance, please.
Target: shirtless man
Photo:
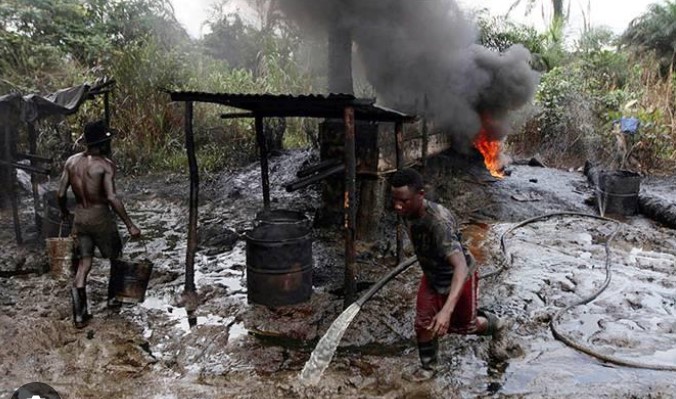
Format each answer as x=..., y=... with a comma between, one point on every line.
x=91, y=174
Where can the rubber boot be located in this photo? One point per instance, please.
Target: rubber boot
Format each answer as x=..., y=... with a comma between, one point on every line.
x=428, y=354
x=497, y=330
x=112, y=302
x=78, y=319
x=82, y=293
x=428, y=361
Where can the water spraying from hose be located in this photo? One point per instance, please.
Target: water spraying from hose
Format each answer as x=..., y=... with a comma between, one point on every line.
x=325, y=349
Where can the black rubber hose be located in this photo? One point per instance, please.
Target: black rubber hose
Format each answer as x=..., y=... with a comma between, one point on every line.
x=553, y=324
x=389, y=276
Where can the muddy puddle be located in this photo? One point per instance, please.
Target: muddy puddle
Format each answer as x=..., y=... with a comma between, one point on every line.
x=230, y=348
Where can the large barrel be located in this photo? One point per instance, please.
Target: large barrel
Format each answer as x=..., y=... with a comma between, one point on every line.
x=278, y=264
x=282, y=216
x=618, y=192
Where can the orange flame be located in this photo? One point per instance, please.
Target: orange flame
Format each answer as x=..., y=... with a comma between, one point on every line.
x=491, y=150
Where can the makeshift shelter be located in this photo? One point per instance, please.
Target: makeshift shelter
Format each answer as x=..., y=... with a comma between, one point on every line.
x=258, y=106
x=16, y=110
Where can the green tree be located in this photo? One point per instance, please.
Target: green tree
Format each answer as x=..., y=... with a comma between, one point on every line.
x=654, y=32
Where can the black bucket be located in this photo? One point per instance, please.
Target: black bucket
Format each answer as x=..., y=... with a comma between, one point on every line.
x=618, y=192
x=282, y=216
x=129, y=280
x=278, y=264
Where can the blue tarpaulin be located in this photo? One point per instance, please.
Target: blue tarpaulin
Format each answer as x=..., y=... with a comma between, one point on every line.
x=629, y=125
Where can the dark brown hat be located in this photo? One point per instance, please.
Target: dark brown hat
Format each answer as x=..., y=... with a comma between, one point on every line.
x=97, y=132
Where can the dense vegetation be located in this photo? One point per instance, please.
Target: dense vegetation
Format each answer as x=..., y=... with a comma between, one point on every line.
x=46, y=45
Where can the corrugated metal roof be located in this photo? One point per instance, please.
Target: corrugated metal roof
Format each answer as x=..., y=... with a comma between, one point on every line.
x=308, y=105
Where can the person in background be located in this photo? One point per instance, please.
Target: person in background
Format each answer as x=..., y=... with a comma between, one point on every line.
x=447, y=295
x=91, y=175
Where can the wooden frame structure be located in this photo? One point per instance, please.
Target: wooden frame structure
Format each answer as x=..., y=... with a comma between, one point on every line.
x=258, y=106
x=29, y=110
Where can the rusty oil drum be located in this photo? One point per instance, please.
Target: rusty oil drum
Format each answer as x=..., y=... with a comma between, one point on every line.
x=279, y=264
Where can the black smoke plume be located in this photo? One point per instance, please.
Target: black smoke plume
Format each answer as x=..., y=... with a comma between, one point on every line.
x=414, y=50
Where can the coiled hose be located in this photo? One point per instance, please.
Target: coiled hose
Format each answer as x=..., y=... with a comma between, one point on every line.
x=553, y=324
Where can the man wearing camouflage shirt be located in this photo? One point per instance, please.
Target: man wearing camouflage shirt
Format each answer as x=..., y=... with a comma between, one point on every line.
x=447, y=295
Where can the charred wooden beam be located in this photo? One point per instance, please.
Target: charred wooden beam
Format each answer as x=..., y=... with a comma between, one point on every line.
x=33, y=148
x=33, y=158
x=263, y=148
x=236, y=115
x=349, y=209
x=27, y=168
x=11, y=179
x=194, y=202
x=399, y=148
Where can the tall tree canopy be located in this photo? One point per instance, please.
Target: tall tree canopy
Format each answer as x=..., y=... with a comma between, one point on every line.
x=654, y=31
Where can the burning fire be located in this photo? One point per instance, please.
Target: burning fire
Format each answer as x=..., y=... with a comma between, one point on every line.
x=491, y=150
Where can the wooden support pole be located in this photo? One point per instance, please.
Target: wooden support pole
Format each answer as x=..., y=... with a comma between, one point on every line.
x=194, y=201
x=11, y=179
x=263, y=148
x=425, y=134
x=33, y=148
x=349, y=208
x=399, y=147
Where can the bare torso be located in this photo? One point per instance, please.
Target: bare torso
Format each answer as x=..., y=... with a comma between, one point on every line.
x=86, y=175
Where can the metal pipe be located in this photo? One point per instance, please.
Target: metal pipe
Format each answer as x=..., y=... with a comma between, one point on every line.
x=318, y=167
x=306, y=181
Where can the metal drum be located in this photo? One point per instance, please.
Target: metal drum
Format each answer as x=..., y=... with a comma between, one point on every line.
x=282, y=216
x=279, y=264
x=618, y=192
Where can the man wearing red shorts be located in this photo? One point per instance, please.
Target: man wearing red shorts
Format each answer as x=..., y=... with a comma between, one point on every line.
x=447, y=296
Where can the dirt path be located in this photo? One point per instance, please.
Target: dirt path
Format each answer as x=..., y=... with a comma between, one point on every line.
x=250, y=351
